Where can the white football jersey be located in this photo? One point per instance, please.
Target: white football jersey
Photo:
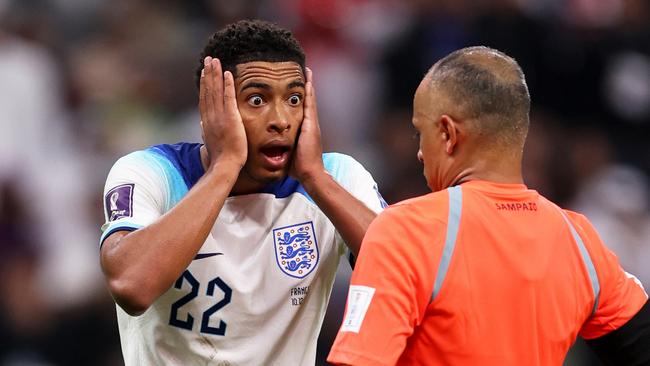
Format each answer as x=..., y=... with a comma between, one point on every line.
x=257, y=291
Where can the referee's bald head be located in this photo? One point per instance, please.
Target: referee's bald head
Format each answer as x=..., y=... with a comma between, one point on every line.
x=487, y=86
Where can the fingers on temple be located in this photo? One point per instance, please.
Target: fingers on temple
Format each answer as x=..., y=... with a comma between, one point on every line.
x=218, y=85
x=209, y=85
x=230, y=100
x=211, y=89
x=202, y=93
x=310, y=100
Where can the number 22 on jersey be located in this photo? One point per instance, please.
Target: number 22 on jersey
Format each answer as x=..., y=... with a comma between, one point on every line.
x=194, y=284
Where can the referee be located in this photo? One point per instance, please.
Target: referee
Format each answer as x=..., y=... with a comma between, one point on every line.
x=484, y=270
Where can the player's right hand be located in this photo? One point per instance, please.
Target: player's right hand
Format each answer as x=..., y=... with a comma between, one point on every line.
x=221, y=124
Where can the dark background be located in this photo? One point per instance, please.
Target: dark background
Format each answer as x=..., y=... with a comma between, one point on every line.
x=83, y=82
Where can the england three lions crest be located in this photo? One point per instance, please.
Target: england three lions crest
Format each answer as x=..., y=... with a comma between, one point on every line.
x=296, y=249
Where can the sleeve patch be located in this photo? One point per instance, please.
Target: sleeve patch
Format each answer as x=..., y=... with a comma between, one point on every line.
x=119, y=202
x=359, y=298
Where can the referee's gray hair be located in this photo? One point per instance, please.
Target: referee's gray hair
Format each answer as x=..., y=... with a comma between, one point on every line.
x=489, y=86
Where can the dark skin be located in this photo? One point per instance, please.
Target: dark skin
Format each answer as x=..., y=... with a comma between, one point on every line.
x=257, y=128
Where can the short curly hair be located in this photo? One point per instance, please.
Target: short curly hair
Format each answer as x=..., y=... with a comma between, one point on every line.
x=251, y=40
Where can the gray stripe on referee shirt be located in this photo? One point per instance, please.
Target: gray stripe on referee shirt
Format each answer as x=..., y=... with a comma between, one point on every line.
x=595, y=285
x=455, y=205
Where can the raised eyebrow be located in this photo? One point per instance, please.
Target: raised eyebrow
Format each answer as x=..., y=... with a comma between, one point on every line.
x=296, y=84
x=256, y=85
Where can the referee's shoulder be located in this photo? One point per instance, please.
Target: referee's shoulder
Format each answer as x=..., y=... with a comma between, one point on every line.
x=576, y=216
x=432, y=198
x=433, y=205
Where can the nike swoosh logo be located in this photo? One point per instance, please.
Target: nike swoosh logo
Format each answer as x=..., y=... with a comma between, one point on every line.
x=206, y=255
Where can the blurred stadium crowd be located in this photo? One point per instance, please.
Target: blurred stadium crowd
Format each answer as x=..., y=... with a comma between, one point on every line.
x=83, y=82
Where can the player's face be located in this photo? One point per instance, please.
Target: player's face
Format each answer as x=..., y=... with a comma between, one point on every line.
x=431, y=152
x=270, y=97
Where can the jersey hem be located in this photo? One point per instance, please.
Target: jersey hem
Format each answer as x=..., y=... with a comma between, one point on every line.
x=121, y=227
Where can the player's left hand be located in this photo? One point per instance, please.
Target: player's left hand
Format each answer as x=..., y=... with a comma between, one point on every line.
x=308, y=160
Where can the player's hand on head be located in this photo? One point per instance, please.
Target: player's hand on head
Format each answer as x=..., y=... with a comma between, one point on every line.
x=308, y=159
x=222, y=128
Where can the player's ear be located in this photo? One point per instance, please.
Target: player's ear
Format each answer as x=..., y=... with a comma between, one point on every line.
x=448, y=130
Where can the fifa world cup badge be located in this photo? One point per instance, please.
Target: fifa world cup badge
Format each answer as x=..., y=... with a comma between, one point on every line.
x=119, y=202
x=296, y=249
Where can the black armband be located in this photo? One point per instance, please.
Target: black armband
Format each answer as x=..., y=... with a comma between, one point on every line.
x=628, y=345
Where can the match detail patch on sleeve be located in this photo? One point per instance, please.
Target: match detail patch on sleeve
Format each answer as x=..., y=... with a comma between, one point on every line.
x=359, y=298
x=119, y=202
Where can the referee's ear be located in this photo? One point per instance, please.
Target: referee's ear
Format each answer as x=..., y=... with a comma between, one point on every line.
x=449, y=133
x=628, y=345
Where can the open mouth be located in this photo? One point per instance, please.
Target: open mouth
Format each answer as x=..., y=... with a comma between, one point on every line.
x=276, y=156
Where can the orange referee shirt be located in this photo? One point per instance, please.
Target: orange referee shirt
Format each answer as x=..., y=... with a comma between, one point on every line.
x=481, y=274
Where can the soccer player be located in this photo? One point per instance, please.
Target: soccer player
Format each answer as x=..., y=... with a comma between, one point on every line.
x=225, y=252
x=484, y=271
